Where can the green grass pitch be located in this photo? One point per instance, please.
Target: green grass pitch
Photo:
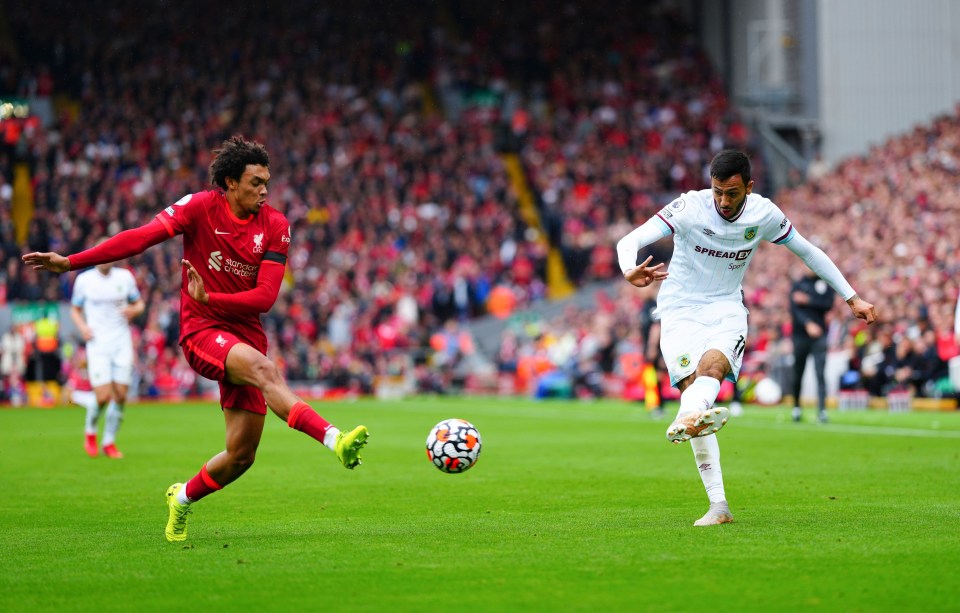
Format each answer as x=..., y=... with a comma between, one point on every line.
x=572, y=506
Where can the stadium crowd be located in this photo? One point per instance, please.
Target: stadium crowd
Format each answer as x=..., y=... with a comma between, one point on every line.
x=385, y=147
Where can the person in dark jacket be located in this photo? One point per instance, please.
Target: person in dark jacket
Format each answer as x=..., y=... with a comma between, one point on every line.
x=810, y=301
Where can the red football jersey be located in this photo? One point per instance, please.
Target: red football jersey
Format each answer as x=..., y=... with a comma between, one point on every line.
x=227, y=252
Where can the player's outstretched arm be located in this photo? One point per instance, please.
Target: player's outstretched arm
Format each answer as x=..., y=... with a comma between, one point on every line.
x=862, y=309
x=823, y=266
x=54, y=262
x=643, y=275
x=118, y=247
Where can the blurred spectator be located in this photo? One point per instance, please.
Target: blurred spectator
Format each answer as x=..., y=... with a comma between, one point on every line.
x=13, y=364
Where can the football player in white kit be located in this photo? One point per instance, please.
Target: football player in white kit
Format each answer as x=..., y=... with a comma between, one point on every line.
x=703, y=320
x=105, y=299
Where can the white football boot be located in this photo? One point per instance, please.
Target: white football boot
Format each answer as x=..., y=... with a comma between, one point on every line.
x=692, y=424
x=719, y=513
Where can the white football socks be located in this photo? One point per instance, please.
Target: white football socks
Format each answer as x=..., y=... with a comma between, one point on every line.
x=112, y=423
x=93, y=415
x=700, y=395
x=706, y=451
x=330, y=437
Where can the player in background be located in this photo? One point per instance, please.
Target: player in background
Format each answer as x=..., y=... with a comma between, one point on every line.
x=716, y=233
x=235, y=251
x=105, y=300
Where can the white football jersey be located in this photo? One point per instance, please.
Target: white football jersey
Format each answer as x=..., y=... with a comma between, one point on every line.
x=712, y=253
x=101, y=297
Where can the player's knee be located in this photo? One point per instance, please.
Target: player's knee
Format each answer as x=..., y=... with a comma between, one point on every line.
x=265, y=372
x=242, y=459
x=714, y=364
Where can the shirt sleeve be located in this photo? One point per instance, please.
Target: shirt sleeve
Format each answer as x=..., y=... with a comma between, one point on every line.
x=631, y=244
x=820, y=263
x=178, y=217
x=122, y=245
x=776, y=226
x=278, y=243
x=260, y=299
x=133, y=292
x=78, y=297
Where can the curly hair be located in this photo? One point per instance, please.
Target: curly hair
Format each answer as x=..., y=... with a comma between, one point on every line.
x=232, y=158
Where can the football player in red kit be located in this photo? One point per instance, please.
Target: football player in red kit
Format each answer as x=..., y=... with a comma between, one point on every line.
x=235, y=251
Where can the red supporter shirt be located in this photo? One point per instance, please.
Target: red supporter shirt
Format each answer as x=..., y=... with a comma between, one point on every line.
x=78, y=380
x=227, y=252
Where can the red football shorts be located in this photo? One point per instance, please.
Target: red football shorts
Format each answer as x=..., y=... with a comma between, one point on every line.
x=206, y=352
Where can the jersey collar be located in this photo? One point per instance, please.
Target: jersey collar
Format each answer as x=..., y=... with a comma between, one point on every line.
x=735, y=217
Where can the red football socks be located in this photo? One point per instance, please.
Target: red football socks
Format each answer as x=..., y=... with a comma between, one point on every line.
x=308, y=421
x=201, y=485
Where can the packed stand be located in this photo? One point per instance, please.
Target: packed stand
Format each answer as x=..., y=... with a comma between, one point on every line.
x=401, y=219
x=613, y=106
x=889, y=219
x=403, y=216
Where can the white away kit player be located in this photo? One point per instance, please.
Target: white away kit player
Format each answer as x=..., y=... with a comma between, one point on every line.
x=716, y=233
x=105, y=299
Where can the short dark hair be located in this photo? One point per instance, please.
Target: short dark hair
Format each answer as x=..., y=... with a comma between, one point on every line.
x=730, y=162
x=232, y=158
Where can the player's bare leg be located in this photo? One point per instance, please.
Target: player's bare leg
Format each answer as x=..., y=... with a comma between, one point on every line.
x=243, y=432
x=247, y=366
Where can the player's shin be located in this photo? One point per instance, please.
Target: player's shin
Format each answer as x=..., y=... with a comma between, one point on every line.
x=202, y=484
x=92, y=414
x=308, y=421
x=112, y=423
x=346, y=445
x=699, y=396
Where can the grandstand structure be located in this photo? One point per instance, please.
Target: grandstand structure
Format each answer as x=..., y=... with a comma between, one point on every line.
x=462, y=170
x=818, y=77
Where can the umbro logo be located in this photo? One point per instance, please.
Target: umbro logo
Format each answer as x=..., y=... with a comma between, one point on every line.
x=704, y=467
x=217, y=231
x=708, y=232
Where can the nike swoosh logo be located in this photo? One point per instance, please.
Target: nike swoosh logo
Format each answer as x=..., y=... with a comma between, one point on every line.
x=219, y=232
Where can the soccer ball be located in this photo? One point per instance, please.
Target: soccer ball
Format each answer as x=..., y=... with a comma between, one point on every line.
x=768, y=392
x=453, y=445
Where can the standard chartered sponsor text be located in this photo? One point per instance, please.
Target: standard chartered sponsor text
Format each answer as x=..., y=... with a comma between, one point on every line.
x=240, y=268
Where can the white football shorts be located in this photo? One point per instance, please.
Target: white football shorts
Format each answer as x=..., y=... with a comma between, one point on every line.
x=111, y=365
x=686, y=333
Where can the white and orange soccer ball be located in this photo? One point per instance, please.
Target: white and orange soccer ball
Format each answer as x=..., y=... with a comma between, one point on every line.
x=453, y=445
